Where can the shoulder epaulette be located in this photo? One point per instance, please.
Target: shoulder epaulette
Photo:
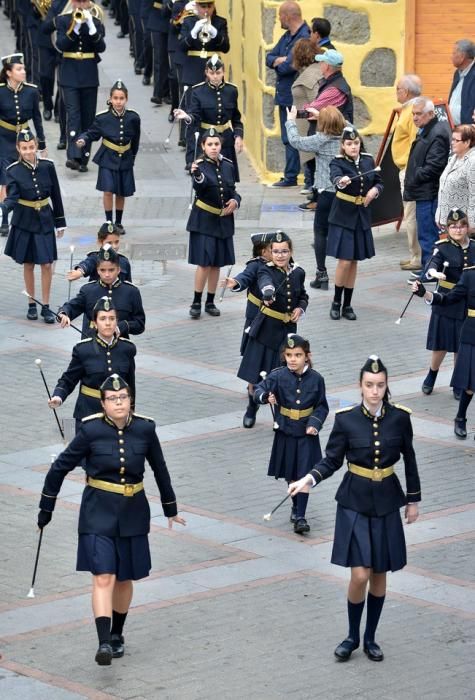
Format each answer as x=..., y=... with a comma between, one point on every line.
x=133, y=110
x=346, y=408
x=403, y=408
x=200, y=160
x=228, y=160
x=363, y=153
x=49, y=160
x=31, y=85
x=86, y=340
x=104, y=111
x=472, y=267
x=339, y=156
x=91, y=282
x=93, y=416
x=131, y=283
x=127, y=340
x=12, y=164
x=198, y=84
x=139, y=415
x=442, y=240
x=2, y=84
x=92, y=252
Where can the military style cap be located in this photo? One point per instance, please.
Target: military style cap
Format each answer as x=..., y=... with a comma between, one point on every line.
x=374, y=365
x=107, y=254
x=280, y=237
x=25, y=135
x=210, y=132
x=332, y=57
x=106, y=228
x=349, y=134
x=456, y=215
x=119, y=85
x=294, y=340
x=114, y=383
x=103, y=304
x=263, y=238
x=203, y=2
x=13, y=58
x=214, y=63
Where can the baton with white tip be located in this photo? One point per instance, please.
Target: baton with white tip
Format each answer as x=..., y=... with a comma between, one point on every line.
x=423, y=274
x=71, y=249
x=268, y=516
x=377, y=169
x=57, y=316
x=223, y=292
x=38, y=364
x=197, y=136
x=275, y=426
x=31, y=592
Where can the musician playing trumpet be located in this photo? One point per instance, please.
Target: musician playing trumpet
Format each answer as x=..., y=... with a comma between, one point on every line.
x=80, y=39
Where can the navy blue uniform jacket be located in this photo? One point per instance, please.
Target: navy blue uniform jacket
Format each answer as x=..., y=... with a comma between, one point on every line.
x=348, y=214
x=464, y=291
x=371, y=442
x=194, y=66
x=73, y=72
x=125, y=297
x=119, y=129
x=89, y=267
x=25, y=181
x=214, y=185
x=18, y=108
x=91, y=363
x=104, y=447
x=458, y=258
x=297, y=391
x=248, y=279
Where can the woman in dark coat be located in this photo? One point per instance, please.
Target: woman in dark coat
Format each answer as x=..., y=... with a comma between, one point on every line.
x=119, y=129
x=211, y=221
x=297, y=393
x=19, y=103
x=114, y=518
x=369, y=536
x=34, y=195
x=349, y=233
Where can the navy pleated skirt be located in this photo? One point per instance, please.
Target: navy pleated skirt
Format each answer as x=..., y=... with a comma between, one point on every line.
x=26, y=247
x=120, y=182
x=443, y=333
x=209, y=251
x=293, y=457
x=257, y=358
x=346, y=244
x=464, y=371
x=376, y=543
x=126, y=557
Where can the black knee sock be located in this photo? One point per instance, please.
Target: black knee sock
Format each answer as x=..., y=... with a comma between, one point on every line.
x=347, y=294
x=118, y=216
x=118, y=620
x=355, y=611
x=337, y=295
x=108, y=214
x=103, y=627
x=210, y=298
x=302, y=500
x=373, y=613
x=294, y=503
x=4, y=218
x=464, y=403
x=197, y=297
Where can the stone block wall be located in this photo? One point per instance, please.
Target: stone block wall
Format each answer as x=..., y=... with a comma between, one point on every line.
x=370, y=35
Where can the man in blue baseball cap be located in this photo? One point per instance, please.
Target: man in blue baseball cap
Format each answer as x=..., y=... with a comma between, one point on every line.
x=333, y=90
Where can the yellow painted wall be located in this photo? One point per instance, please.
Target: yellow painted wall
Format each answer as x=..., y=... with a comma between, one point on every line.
x=247, y=62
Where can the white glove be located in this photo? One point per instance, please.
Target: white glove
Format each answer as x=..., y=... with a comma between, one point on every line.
x=197, y=28
x=77, y=27
x=213, y=32
x=190, y=6
x=91, y=27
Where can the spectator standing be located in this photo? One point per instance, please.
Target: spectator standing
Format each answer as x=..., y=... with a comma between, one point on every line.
x=333, y=89
x=320, y=34
x=280, y=59
x=457, y=182
x=462, y=92
x=407, y=89
x=427, y=160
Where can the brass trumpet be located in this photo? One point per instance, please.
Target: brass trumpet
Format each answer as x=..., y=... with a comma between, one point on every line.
x=96, y=12
x=204, y=35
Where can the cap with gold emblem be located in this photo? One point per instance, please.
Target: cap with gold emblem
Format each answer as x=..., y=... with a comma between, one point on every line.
x=103, y=304
x=214, y=63
x=262, y=238
x=209, y=132
x=374, y=365
x=293, y=340
x=349, y=134
x=25, y=135
x=114, y=383
x=13, y=58
x=106, y=228
x=119, y=85
x=456, y=215
x=107, y=254
x=280, y=237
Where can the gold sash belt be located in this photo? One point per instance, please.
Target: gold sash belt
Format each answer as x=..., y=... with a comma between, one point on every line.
x=13, y=127
x=349, y=198
x=295, y=413
x=78, y=55
x=87, y=391
x=38, y=204
x=208, y=207
x=446, y=285
x=220, y=128
x=375, y=474
x=115, y=147
x=123, y=489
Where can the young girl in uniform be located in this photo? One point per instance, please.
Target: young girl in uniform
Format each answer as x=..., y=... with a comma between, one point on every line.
x=108, y=235
x=297, y=393
x=119, y=129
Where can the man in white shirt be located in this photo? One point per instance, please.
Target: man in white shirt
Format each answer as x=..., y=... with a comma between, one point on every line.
x=462, y=92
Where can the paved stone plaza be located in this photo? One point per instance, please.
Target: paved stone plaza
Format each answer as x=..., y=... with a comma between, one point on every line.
x=235, y=607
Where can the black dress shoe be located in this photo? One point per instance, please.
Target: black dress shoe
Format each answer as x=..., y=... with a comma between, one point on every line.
x=249, y=418
x=428, y=383
x=427, y=388
x=320, y=281
x=146, y=80
x=47, y=115
x=121, y=34
x=118, y=646
x=195, y=310
x=171, y=118
x=120, y=229
x=301, y=526
x=61, y=146
x=373, y=651
x=167, y=99
x=137, y=70
x=460, y=428
x=212, y=310
x=83, y=168
x=47, y=315
x=4, y=230
x=348, y=313
x=157, y=101
x=345, y=649
x=72, y=164
x=104, y=655
x=335, y=311
x=32, y=313
x=182, y=143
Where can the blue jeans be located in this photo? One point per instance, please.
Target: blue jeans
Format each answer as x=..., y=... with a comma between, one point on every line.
x=292, y=158
x=427, y=231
